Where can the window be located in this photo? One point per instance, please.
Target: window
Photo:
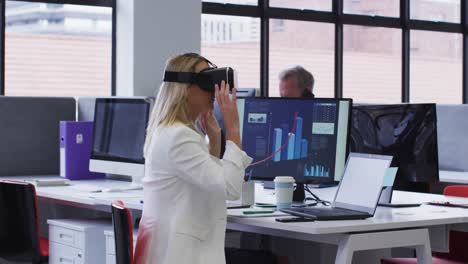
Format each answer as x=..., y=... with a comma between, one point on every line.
x=389, y=8
x=318, y=5
x=372, y=64
x=57, y=49
x=308, y=44
x=378, y=57
x=277, y=25
x=436, y=10
x=241, y=50
x=436, y=67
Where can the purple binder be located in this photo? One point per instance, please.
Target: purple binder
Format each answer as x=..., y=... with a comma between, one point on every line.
x=76, y=139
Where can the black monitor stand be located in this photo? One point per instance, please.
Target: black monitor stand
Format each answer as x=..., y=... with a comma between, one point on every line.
x=299, y=197
x=386, y=199
x=299, y=193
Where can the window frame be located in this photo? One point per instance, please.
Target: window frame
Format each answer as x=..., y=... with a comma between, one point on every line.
x=339, y=18
x=102, y=3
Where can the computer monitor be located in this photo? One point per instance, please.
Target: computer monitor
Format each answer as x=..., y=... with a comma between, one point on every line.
x=299, y=137
x=119, y=135
x=408, y=132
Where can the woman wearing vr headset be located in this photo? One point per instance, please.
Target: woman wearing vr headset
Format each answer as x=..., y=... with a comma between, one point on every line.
x=186, y=184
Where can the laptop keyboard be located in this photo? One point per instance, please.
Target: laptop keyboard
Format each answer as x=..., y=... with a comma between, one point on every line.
x=324, y=210
x=327, y=213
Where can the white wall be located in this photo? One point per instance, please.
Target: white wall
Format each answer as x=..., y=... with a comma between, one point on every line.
x=148, y=33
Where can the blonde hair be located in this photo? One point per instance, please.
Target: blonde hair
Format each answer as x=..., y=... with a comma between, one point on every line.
x=171, y=103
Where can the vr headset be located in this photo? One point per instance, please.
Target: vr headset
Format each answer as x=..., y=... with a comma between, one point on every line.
x=205, y=79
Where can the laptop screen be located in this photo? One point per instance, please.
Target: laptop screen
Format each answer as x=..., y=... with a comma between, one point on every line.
x=362, y=182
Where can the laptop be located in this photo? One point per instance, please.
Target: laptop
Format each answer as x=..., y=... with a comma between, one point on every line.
x=358, y=192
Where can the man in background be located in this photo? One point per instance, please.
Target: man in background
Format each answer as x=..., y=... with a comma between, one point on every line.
x=296, y=82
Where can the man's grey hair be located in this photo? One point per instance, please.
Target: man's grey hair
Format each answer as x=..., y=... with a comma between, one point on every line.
x=305, y=79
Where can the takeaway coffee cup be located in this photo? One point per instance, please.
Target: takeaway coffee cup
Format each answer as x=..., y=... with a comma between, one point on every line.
x=284, y=188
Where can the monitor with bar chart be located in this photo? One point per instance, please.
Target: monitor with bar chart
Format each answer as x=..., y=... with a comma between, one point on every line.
x=303, y=138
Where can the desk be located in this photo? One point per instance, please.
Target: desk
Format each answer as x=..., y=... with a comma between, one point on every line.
x=390, y=227
x=69, y=196
x=409, y=226
x=454, y=176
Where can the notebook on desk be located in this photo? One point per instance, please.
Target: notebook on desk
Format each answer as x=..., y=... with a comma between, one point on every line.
x=358, y=192
x=253, y=213
x=50, y=182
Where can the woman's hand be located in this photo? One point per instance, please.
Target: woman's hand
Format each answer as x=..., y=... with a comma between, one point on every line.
x=228, y=108
x=209, y=124
x=211, y=127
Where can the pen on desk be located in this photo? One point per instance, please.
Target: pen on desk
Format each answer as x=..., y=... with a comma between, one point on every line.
x=259, y=212
x=238, y=207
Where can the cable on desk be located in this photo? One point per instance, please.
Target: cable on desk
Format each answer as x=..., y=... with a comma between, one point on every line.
x=315, y=198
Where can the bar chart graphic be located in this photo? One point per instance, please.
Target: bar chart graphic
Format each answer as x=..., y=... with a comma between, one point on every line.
x=285, y=137
x=277, y=136
x=280, y=143
x=291, y=137
x=298, y=142
x=316, y=170
x=296, y=146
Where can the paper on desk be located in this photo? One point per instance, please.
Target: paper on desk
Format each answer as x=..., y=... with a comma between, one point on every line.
x=239, y=213
x=390, y=176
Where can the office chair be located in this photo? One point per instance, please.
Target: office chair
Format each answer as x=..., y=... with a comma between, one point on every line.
x=19, y=227
x=457, y=242
x=123, y=233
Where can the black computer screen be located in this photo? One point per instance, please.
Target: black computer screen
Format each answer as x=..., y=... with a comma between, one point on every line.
x=120, y=129
x=303, y=138
x=408, y=132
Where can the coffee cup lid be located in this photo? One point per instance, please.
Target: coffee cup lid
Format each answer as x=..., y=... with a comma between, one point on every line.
x=284, y=179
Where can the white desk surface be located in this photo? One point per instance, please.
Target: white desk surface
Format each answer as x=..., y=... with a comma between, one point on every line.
x=99, y=201
x=384, y=219
x=453, y=176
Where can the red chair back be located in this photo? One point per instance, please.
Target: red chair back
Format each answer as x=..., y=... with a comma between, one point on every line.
x=458, y=240
x=456, y=190
x=19, y=226
x=123, y=233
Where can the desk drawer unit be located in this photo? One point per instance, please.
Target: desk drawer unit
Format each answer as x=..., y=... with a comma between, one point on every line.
x=66, y=236
x=65, y=254
x=110, y=259
x=110, y=245
x=74, y=241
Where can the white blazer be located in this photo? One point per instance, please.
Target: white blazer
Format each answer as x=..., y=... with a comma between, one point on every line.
x=185, y=191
